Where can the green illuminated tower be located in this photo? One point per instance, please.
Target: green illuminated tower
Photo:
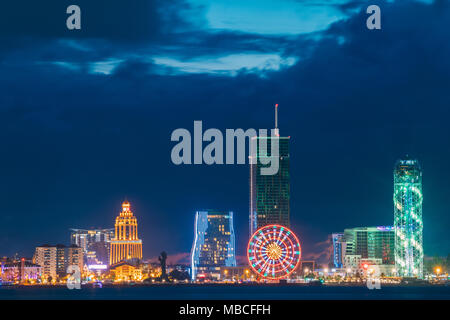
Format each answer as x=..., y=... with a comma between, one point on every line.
x=408, y=218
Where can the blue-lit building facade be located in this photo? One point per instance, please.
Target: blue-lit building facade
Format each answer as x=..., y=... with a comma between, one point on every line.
x=337, y=250
x=214, y=243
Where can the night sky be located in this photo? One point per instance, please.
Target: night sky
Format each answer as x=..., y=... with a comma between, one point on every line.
x=86, y=116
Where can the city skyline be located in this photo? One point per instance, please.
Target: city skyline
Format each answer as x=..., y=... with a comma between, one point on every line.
x=129, y=232
x=86, y=120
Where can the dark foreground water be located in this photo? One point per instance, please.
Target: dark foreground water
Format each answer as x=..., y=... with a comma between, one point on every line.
x=228, y=292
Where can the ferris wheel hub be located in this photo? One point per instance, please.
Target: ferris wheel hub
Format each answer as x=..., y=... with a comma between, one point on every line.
x=274, y=252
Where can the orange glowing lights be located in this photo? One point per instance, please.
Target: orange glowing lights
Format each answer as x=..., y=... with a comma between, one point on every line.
x=274, y=251
x=126, y=244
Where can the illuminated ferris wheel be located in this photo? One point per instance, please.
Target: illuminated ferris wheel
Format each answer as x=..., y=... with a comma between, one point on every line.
x=273, y=252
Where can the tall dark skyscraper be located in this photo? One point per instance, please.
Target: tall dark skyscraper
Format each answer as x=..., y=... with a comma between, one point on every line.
x=408, y=218
x=213, y=245
x=270, y=194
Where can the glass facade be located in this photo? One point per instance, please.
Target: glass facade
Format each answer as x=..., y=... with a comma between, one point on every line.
x=381, y=244
x=408, y=218
x=269, y=194
x=95, y=244
x=214, y=239
x=373, y=243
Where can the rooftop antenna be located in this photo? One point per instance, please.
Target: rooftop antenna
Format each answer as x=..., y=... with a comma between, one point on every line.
x=277, y=133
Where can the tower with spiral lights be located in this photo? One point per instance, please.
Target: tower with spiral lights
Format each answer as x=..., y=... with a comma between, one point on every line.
x=408, y=223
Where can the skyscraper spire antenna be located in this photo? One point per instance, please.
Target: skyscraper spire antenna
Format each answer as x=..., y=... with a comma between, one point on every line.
x=277, y=133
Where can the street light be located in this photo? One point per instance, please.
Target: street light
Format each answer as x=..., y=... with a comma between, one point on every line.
x=394, y=272
x=438, y=270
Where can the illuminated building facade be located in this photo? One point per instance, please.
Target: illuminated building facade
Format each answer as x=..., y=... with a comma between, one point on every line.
x=213, y=245
x=54, y=259
x=269, y=194
x=95, y=243
x=74, y=256
x=381, y=244
x=338, y=246
x=408, y=218
x=375, y=244
x=20, y=271
x=45, y=256
x=126, y=244
x=243, y=273
x=371, y=243
x=124, y=271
